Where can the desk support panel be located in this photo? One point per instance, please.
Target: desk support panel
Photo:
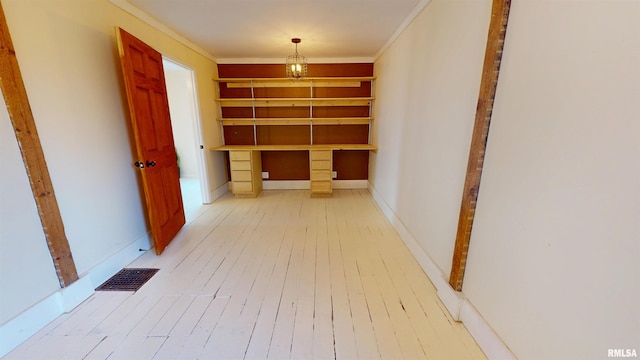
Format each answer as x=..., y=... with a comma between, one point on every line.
x=246, y=166
x=246, y=172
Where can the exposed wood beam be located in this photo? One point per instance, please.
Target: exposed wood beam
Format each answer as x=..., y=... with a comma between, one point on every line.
x=489, y=82
x=17, y=102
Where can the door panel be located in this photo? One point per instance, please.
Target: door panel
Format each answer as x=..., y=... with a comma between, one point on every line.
x=151, y=124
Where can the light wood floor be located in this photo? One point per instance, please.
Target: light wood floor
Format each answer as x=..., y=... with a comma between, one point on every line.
x=283, y=276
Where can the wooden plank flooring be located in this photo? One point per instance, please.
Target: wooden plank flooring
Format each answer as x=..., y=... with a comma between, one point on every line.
x=282, y=276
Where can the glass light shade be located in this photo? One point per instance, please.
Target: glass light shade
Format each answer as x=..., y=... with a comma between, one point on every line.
x=296, y=66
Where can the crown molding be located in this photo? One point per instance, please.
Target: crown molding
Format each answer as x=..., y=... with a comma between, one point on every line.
x=146, y=18
x=412, y=15
x=283, y=59
x=153, y=22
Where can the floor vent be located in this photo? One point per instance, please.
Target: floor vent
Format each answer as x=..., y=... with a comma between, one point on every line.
x=127, y=280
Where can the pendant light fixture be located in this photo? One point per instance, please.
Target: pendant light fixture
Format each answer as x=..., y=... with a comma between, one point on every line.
x=296, y=64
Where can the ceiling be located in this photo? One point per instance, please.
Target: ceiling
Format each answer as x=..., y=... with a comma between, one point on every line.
x=237, y=30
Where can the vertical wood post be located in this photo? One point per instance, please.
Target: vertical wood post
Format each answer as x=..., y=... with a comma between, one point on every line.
x=490, y=72
x=15, y=96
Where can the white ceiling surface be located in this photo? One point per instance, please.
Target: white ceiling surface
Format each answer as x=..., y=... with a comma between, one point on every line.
x=262, y=29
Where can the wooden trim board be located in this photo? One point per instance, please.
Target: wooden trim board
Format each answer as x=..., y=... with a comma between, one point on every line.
x=490, y=72
x=297, y=121
x=15, y=96
x=296, y=147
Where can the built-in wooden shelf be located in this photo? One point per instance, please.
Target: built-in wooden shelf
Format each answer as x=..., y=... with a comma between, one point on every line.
x=292, y=102
x=245, y=165
x=295, y=147
x=326, y=110
x=297, y=121
x=284, y=82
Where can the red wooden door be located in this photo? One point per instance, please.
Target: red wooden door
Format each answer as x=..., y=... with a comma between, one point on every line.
x=151, y=124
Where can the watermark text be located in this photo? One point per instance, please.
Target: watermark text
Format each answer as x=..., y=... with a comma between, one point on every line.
x=622, y=353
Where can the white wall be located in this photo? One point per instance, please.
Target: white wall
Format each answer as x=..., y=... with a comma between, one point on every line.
x=69, y=60
x=25, y=263
x=555, y=250
x=181, y=107
x=553, y=263
x=426, y=94
x=68, y=66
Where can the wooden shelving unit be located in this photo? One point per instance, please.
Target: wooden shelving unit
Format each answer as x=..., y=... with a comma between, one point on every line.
x=283, y=114
x=298, y=121
x=310, y=102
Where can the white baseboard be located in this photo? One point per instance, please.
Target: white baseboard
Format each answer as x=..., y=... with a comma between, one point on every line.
x=350, y=184
x=487, y=339
x=74, y=294
x=305, y=185
x=286, y=184
x=33, y=319
x=217, y=193
x=114, y=263
x=451, y=299
x=456, y=303
x=23, y=326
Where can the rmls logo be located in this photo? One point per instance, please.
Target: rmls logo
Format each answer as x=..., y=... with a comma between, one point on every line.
x=622, y=353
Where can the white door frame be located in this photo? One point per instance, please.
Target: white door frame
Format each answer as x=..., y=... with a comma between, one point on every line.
x=201, y=159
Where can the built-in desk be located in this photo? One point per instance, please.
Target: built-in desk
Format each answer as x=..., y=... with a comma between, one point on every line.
x=246, y=167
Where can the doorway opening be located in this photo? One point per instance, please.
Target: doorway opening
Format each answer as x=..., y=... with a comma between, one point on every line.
x=187, y=135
